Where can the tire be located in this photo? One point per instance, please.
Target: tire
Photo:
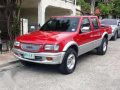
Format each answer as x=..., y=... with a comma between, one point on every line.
x=118, y=34
x=102, y=49
x=69, y=62
x=115, y=36
x=25, y=63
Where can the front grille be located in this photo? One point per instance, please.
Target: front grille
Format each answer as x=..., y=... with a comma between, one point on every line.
x=30, y=47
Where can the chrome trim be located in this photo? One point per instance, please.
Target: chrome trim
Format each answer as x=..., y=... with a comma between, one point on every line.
x=57, y=57
x=30, y=47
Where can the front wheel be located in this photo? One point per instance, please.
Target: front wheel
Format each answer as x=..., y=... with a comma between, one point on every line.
x=101, y=50
x=69, y=62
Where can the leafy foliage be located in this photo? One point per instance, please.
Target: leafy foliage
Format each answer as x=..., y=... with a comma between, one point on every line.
x=105, y=8
x=112, y=7
x=15, y=27
x=12, y=14
x=116, y=7
x=84, y=6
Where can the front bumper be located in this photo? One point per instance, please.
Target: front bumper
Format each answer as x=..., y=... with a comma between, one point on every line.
x=57, y=58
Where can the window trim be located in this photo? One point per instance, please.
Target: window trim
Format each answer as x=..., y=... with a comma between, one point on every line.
x=93, y=25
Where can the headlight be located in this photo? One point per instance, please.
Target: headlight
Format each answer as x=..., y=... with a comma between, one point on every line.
x=51, y=47
x=16, y=43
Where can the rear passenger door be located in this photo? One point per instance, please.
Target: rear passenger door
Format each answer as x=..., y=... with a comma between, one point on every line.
x=84, y=36
x=96, y=34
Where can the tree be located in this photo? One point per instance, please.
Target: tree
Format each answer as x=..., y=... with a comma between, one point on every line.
x=105, y=8
x=12, y=14
x=116, y=8
x=85, y=7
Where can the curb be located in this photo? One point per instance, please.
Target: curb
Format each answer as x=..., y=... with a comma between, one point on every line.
x=9, y=63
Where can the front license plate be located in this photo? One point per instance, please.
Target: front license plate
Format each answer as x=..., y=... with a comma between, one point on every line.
x=29, y=56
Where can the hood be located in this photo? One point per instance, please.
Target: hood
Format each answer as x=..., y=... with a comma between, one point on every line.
x=42, y=37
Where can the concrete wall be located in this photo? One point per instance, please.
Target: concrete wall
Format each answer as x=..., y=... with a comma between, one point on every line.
x=38, y=11
x=31, y=14
x=54, y=11
x=61, y=4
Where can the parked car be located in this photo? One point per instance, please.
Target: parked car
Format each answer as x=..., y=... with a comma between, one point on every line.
x=61, y=40
x=115, y=25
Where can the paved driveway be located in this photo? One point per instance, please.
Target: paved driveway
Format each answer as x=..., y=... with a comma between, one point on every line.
x=93, y=72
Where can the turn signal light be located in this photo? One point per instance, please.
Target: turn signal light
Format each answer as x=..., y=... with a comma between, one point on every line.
x=49, y=58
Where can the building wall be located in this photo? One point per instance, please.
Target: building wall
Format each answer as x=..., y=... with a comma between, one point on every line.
x=30, y=13
x=53, y=11
x=61, y=4
x=38, y=11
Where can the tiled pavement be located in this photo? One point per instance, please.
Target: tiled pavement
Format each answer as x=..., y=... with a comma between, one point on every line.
x=7, y=58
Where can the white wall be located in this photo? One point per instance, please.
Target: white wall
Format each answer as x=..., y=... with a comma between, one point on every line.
x=53, y=11
x=43, y=4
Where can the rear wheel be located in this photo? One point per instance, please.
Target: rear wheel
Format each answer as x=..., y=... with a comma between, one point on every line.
x=69, y=62
x=101, y=50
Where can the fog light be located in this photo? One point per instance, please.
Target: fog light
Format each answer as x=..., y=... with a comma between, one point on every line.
x=49, y=58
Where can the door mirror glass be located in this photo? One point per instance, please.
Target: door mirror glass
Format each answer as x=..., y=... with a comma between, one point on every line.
x=85, y=29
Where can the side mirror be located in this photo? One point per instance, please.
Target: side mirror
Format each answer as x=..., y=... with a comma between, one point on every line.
x=85, y=29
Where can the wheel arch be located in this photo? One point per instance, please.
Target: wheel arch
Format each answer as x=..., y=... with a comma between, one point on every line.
x=73, y=45
x=105, y=35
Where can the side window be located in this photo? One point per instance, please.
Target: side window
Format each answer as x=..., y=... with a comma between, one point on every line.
x=85, y=25
x=94, y=23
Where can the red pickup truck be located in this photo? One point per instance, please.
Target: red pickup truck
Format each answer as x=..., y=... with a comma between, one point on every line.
x=61, y=40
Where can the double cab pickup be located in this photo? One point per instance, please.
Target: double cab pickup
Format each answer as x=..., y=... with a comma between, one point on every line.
x=61, y=40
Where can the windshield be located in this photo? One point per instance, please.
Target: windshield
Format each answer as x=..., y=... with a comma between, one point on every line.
x=109, y=21
x=64, y=24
